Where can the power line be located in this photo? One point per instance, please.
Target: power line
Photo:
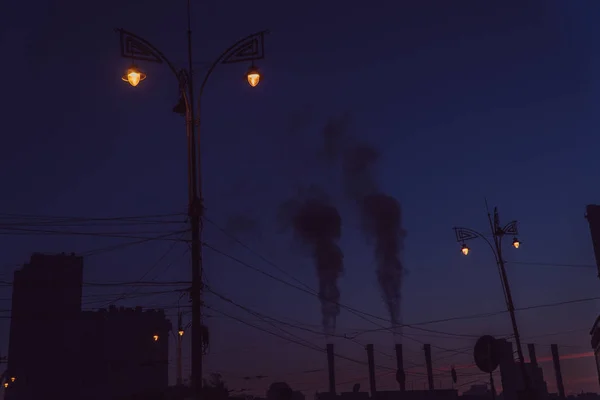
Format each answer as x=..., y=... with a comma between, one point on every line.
x=306, y=288
x=553, y=264
x=119, y=284
x=266, y=260
x=136, y=235
x=74, y=218
x=381, y=328
x=152, y=267
x=314, y=293
x=312, y=347
x=483, y=315
x=270, y=319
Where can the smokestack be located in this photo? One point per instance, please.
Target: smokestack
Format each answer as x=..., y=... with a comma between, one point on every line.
x=331, y=368
x=532, y=356
x=371, y=361
x=559, y=380
x=427, y=349
x=400, y=376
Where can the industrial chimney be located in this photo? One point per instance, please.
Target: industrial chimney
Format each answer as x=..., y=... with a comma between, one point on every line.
x=371, y=361
x=400, y=375
x=532, y=356
x=427, y=350
x=331, y=367
x=559, y=380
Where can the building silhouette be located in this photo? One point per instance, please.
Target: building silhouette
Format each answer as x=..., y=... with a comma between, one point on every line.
x=478, y=392
x=129, y=350
x=56, y=350
x=46, y=305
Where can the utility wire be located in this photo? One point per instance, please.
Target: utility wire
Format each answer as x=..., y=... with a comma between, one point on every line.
x=428, y=322
x=311, y=347
x=266, y=260
x=137, y=235
x=270, y=320
x=149, y=270
x=553, y=264
x=73, y=218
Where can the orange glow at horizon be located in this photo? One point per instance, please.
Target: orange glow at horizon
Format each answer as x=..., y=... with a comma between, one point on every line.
x=572, y=356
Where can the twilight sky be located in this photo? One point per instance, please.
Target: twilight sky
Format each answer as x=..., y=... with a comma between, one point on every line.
x=465, y=100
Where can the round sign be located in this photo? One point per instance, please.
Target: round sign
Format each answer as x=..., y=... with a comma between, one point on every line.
x=486, y=354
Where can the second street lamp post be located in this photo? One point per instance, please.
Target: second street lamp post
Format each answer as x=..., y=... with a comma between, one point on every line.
x=248, y=49
x=498, y=233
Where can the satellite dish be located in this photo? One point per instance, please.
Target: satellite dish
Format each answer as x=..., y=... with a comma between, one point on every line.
x=356, y=388
x=486, y=354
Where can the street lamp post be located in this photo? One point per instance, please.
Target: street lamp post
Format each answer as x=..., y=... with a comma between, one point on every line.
x=498, y=233
x=248, y=49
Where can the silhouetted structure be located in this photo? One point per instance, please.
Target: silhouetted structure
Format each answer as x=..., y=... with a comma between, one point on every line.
x=595, y=342
x=371, y=363
x=58, y=351
x=46, y=304
x=593, y=216
x=441, y=394
x=559, y=380
x=331, y=368
x=512, y=381
x=428, y=363
x=477, y=392
x=125, y=351
x=283, y=391
x=400, y=374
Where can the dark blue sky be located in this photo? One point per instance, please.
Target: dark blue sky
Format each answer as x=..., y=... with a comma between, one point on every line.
x=465, y=100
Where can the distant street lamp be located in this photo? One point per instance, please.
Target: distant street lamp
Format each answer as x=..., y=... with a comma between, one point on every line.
x=465, y=249
x=248, y=49
x=498, y=232
x=253, y=76
x=133, y=75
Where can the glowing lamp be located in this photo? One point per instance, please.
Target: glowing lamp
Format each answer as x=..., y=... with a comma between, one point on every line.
x=180, y=332
x=155, y=337
x=516, y=243
x=133, y=76
x=465, y=249
x=12, y=379
x=253, y=76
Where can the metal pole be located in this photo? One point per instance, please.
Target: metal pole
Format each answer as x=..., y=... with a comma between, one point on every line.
x=428, y=363
x=371, y=362
x=492, y=387
x=559, y=380
x=498, y=233
x=179, y=355
x=195, y=213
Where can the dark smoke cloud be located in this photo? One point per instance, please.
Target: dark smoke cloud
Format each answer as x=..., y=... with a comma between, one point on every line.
x=381, y=217
x=382, y=221
x=318, y=225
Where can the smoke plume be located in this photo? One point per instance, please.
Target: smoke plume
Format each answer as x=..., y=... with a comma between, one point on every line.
x=318, y=224
x=380, y=213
